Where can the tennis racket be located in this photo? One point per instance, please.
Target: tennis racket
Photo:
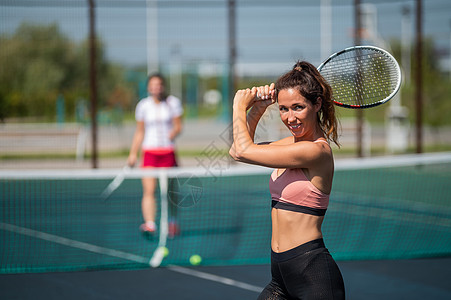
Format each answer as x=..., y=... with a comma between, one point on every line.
x=158, y=254
x=117, y=181
x=361, y=76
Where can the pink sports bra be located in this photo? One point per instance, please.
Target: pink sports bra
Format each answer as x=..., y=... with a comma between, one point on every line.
x=293, y=191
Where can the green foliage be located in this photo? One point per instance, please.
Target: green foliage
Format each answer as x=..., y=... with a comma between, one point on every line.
x=436, y=87
x=40, y=62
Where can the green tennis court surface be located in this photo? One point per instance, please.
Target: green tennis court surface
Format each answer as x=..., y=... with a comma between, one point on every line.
x=60, y=223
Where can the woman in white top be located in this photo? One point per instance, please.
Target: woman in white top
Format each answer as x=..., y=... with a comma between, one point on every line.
x=159, y=122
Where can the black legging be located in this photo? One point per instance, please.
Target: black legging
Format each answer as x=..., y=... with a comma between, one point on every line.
x=305, y=272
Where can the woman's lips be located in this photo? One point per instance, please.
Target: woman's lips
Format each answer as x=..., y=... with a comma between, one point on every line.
x=294, y=126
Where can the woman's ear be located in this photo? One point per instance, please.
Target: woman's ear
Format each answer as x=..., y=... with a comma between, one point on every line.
x=318, y=104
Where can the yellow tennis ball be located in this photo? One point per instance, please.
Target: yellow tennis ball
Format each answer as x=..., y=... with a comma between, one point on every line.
x=165, y=251
x=195, y=259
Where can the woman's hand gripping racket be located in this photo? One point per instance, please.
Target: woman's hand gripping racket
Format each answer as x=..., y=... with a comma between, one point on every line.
x=361, y=76
x=117, y=181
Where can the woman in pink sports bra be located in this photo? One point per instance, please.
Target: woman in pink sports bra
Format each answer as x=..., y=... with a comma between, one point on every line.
x=301, y=266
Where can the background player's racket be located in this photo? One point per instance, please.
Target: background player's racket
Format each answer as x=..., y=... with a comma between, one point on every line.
x=117, y=181
x=361, y=76
x=159, y=253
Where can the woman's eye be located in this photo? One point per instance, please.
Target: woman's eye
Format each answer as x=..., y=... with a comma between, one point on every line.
x=298, y=107
x=283, y=109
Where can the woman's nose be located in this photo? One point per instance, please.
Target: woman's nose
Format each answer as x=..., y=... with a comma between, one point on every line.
x=291, y=116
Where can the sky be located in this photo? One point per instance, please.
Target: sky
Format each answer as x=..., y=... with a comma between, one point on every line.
x=269, y=34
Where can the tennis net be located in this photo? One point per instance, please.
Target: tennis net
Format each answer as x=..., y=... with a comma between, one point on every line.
x=380, y=208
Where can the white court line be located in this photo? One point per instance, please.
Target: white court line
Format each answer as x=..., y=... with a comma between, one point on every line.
x=124, y=255
x=72, y=243
x=216, y=278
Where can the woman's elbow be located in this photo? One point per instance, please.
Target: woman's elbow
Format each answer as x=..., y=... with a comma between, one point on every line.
x=240, y=153
x=234, y=154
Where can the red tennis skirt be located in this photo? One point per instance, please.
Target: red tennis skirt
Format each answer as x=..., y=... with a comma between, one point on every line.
x=159, y=158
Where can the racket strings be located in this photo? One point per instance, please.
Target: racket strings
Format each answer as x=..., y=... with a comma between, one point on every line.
x=361, y=77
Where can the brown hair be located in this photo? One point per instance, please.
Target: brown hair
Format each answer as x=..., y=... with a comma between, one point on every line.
x=311, y=85
x=163, y=81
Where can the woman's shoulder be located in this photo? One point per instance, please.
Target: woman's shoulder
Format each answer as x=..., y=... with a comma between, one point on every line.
x=173, y=100
x=317, y=153
x=143, y=104
x=175, y=104
x=145, y=101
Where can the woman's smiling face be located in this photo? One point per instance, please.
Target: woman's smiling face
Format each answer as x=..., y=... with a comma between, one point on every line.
x=298, y=114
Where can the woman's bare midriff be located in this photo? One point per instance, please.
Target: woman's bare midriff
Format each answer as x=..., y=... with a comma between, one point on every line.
x=291, y=229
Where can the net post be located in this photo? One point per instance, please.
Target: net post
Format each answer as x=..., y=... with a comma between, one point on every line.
x=93, y=81
x=359, y=112
x=418, y=78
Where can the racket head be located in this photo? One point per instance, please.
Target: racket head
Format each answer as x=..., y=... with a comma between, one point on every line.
x=157, y=257
x=361, y=76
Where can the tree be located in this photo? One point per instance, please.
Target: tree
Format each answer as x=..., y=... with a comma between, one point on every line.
x=40, y=62
x=436, y=105
x=33, y=62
